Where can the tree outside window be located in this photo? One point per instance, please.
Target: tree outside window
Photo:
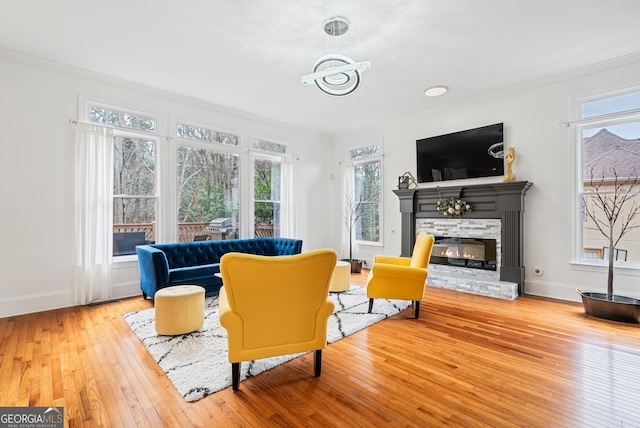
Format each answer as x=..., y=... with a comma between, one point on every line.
x=208, y=189
x=134, y=193
x=367, y=193
x=268, y=169
x=266, y=197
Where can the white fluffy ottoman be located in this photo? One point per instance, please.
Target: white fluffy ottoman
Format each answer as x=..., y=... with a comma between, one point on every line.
x=179, y=309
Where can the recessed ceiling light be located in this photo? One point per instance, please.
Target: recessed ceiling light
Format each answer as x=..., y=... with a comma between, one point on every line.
x=435, y=91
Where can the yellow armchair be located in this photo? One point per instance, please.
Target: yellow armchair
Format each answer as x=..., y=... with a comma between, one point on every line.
x=275, y=305
x=401, y=278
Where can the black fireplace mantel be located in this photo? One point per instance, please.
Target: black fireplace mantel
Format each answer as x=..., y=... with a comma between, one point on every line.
x=504, y=201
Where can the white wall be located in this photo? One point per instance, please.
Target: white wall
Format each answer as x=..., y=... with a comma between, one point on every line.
x=37, y=99
x=531, y=116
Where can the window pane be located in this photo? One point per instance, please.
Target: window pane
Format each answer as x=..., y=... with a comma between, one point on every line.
x=611, y=105
x=364, y=152
x=134, y=167
x=133, y=211
x=612, y=147
x=266, y=180
x=609, y=151
x=367, y=194
x=121, y=119
x=267, y=219
x=134, y=202
x=208, y=189
x=203, y=134
x=266, y=195
x=595, y=244
x=133, y=224
x=267, y=146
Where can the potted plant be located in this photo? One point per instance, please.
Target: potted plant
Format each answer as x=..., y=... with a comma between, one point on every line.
x=352, y=213
x=612, y=209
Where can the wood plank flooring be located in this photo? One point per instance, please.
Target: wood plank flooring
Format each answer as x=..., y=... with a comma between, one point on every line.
x=469, y=361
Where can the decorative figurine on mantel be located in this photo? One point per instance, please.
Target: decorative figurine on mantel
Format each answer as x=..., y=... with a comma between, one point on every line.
x=406, y=180
x=509, y=176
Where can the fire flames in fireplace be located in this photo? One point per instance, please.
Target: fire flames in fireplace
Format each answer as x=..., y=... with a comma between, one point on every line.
x=472, y=253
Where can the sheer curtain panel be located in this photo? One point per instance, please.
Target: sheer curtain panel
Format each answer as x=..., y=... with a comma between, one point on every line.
x=287, y=207
x=94, y=212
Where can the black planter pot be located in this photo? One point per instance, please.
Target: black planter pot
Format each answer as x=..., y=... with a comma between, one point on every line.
x=621, y=308
x=356, y=265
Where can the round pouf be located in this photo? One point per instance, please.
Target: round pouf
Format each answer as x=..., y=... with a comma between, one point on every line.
x=179, y=309
x=341, y=279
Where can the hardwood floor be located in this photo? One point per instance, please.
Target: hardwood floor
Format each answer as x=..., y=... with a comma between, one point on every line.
x=468, y=361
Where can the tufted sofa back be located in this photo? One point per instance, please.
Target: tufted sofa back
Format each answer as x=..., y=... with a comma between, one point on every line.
x=183, y=254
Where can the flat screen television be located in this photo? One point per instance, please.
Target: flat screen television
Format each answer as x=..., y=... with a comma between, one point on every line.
x=477, y=152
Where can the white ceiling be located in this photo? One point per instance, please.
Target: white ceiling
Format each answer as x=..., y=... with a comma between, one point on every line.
x=249, y=55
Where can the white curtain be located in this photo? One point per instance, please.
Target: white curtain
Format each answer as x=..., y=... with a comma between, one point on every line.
x=94, y=212
x=287, y=205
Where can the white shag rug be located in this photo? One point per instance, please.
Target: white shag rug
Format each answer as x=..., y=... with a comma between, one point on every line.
x=197, y=362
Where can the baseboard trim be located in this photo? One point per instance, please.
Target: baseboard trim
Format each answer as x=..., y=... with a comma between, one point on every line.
x=39, y=302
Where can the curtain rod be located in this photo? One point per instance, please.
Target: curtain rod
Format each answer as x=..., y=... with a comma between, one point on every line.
x=600, y=117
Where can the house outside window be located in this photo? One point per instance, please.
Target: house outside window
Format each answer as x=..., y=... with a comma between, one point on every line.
x=366, y=192
x=608, y=134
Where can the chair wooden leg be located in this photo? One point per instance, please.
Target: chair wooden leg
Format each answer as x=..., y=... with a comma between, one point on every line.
x=370, y=304
x=416, y=309
x=317, y=362
x=235, y=376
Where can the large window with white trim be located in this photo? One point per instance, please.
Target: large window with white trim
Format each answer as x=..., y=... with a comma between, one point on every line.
x=608, y=133
x=135, y=196
x=134, y=192
x=366, y=193
x=189, y=187
x=268, y=168
x=208, y=184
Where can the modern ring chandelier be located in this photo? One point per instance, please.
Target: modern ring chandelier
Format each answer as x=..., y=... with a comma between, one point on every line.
x=336, y=74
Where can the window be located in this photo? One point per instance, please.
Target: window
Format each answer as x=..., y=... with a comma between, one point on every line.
x=208, y=184
x=120, y=119
x=609, y=146
x=367, y=192
x=208, y=135
x=134, y=193
x=268, y=165
x=134, y=176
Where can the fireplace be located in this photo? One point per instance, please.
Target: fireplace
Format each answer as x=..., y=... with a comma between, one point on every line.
x=472, y=253
x=493, y=268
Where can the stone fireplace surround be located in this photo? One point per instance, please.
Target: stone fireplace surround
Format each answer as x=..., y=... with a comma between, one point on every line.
x=497, y=213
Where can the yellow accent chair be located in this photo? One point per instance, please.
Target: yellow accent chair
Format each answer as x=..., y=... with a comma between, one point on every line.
x=401, y=278
x=274, y=306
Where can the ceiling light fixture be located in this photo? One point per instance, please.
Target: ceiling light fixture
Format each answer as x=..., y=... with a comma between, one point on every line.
x=336, y=74
x=435, y=91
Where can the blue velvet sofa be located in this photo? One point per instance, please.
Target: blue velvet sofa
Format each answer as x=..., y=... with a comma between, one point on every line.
x=164, y=265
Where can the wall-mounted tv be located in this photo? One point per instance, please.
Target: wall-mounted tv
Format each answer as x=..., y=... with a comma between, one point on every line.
x=477, y=152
